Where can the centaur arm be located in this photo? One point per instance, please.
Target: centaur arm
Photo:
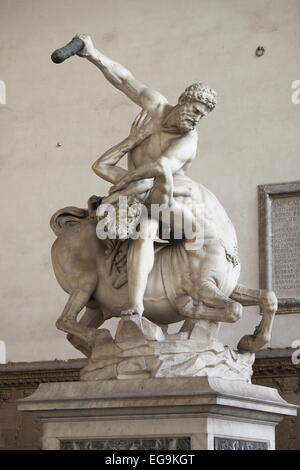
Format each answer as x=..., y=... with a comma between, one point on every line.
x=122, y=79
x=105, y=166
x=171, y=161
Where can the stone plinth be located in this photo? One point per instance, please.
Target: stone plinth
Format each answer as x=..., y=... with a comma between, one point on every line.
x=141, y=349
x=160, y=413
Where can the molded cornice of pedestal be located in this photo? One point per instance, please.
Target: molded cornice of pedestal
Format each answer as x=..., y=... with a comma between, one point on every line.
x=156, y=396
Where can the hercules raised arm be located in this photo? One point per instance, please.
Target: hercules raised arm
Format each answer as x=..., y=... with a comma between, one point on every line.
x=122, y=79
x=154, y=106
x=174, y=125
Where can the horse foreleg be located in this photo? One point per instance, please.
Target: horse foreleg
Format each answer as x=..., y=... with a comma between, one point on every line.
x=92, y=318
x=249, y=297
x=67, y=321
x=212, y=305
x=268, y=304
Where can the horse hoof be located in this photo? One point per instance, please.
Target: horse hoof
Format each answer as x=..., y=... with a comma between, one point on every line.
x=246, y=344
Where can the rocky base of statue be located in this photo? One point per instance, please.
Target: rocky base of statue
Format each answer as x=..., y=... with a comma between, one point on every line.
x=141, y=349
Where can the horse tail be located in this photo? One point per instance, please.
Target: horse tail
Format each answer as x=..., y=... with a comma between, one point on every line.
x=67, y=217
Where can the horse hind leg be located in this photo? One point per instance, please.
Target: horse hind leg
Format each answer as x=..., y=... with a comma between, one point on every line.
x=268, y=304
x=212, y=305
x=92, y=318
x=67, y=321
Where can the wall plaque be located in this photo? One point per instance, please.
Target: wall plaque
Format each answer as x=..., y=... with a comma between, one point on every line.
x=279, y=226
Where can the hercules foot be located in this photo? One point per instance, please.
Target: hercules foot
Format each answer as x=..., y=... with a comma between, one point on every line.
x=136, y=310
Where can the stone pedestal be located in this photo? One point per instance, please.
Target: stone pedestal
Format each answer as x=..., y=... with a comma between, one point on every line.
x=161, y=413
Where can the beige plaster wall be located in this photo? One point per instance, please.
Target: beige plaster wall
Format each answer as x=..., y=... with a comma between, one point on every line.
x=252, y=138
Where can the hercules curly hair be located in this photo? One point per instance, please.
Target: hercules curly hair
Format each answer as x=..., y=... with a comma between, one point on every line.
x=199, y=92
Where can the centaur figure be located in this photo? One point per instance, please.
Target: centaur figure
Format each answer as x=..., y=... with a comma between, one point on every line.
x=175, y=282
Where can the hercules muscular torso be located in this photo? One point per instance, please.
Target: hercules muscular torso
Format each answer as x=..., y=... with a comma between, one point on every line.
x=154, y=147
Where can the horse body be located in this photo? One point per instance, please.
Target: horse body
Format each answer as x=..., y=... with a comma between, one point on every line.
x=196, y=282
x=78, y=254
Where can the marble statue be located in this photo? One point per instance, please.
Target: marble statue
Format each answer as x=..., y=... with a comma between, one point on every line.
x=152, y=280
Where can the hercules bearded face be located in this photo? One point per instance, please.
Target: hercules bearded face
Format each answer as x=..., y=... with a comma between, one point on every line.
x=196, y=101
x=189, y=114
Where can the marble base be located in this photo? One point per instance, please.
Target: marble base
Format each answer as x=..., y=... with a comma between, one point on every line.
x=195, y=413
x=141, y=349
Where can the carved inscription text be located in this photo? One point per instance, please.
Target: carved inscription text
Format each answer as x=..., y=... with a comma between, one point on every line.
x=286, y=245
